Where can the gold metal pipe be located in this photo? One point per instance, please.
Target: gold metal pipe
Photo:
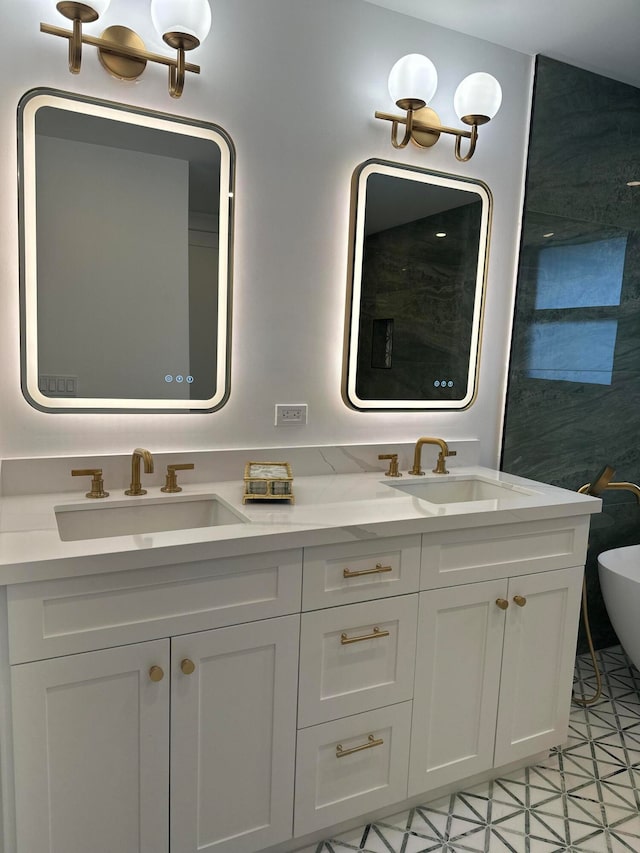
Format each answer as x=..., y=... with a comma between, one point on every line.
x=472, y=146
x=419, y=125
x=625, y=487
x=621, y=487
x=176, y=75
x=120, y=50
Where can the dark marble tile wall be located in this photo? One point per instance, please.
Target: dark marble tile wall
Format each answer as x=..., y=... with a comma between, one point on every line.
x=426, y=286
x=584, y=148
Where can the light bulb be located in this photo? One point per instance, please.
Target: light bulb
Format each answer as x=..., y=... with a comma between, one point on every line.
x=188, y=17
x=414, y=77
x=99, y=6
x=479, y=94
x=87, y=12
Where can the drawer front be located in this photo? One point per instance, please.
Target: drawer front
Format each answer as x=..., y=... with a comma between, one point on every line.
x=360, y=571
x=356, y=658
x=72, y=615
x=370, y=773
x=488, y=553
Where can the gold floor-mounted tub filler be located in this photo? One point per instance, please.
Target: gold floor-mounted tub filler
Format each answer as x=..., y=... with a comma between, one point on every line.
x=268, y=481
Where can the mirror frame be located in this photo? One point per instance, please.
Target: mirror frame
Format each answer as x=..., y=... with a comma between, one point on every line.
x=354, y=284
x=28, y=107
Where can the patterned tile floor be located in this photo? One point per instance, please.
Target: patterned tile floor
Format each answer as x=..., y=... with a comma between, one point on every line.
x=584, y=798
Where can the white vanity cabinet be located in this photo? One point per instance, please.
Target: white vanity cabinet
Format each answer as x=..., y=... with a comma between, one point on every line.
x=356, y=678
x=233, y=726
x=180, y=744
x=232, y=705
x=493, y=674
x=91, y=751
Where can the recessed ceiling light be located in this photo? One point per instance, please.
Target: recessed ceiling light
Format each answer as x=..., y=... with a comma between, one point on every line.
x=441, y=233
x=633, y=183
x=549, y=234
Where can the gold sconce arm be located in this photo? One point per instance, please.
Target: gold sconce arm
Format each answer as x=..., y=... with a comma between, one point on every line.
x=473, y=137
x=116, y=54
x=425, y=133
x=75, y=47
x=176, y=75
x=408, y=122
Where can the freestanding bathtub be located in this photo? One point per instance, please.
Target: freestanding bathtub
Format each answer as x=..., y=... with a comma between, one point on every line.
x=620, y=583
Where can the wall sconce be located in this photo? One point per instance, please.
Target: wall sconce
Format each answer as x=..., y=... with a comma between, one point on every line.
x=412, y=84
x=182, y=24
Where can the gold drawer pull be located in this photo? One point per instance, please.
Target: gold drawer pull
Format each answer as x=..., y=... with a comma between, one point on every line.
x=187, y=666
x=502, y=603
x=379, y=569
x=156, y=673
x=371, y=742
x=520, y=600
x=373, y=636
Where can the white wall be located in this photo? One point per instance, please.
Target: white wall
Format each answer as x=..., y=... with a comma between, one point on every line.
x=295, y=83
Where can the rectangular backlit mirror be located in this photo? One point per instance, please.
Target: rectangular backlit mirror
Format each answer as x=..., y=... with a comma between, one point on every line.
x=126, y=221
x=418, y=256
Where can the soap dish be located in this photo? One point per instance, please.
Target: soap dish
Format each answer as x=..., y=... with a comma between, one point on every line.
x=268, y=481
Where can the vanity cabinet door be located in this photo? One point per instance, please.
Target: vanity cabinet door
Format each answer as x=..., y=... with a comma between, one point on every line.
x=460, y=634
x=538, y=661
x=233, y=734
x=91, y=751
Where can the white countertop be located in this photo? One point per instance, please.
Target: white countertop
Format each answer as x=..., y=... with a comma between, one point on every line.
x=328, y=509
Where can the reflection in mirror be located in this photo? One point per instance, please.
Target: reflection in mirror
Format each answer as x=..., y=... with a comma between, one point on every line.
x=126, y=230
x=419, y=245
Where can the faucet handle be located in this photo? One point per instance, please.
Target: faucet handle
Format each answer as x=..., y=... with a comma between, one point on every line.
x=171, y=481
x=393, y=464
x=97, y=483
x=440, y=464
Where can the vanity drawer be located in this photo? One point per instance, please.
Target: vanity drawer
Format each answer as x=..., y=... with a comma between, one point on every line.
x=371, y=772
x=51, y=618
x=499, y=551
x=356, y=658
x=360, y=571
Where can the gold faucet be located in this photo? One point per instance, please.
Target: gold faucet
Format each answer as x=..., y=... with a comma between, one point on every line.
x=444, y=451
x=139, y=453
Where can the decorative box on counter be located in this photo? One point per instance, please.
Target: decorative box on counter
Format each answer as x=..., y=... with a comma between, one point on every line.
x=268, y=481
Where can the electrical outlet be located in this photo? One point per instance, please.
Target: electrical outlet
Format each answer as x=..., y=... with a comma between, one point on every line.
x=291, y=414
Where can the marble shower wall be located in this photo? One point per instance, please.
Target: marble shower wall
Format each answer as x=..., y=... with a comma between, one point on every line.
x=573, y=401
x=425, y=286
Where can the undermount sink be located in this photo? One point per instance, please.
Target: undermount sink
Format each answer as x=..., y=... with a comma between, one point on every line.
x=137, y=516
x=463, y=490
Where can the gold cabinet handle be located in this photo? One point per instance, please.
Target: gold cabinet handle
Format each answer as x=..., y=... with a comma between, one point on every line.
x=344, y=640
x=520, y=600
x=187, y=666
x=371, y=742
x=502, y=603
x=156, y=673
x=379, y=569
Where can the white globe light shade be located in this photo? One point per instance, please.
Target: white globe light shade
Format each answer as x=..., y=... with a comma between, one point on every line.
x=99, y=6
x=479, y=94
x=414, y=76
x=192, y=17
